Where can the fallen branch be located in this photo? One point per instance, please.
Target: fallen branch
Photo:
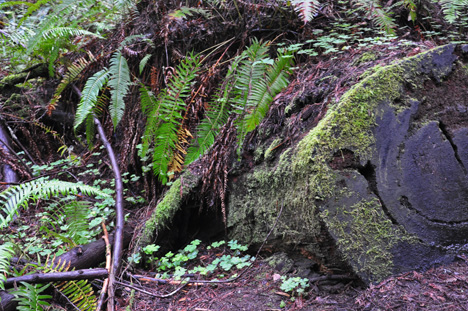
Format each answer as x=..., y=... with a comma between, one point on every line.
x=86, y=274
x=108, y=266
x=119, y=213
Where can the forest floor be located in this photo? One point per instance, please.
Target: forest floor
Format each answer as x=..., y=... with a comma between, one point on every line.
x=319, y=81
x=440, y=288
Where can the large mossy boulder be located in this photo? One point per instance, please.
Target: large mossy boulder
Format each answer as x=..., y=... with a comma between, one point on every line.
x=380, y=184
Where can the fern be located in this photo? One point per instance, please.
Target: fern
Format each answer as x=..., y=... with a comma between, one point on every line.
x=185, y=11
x=216, y=115
x=13, y=3
x=277, y=79
x=68, y=32
x=378, y=14
x=215, y=118
x=250, y=86
x=164, y=115
x=55, y=19
x=74, y=71
x=79, y=293
x=306, y=9
x=143, y=62
x=30, y=297
x=73, y=218
x=33, y=7
x=250, y=81
x=17, y=196
x=6, y=252
x=89, y=96
x=454, y=9
x=119, y=82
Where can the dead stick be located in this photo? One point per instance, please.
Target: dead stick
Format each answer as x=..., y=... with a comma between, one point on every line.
x=125, y=284
x=108, y=264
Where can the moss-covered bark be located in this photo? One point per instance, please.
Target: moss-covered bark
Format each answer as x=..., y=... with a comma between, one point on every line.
x=327, y=185
x=317, y=197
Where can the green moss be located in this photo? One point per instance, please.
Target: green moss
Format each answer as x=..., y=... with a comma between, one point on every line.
x=258, y=154
x=302, y=178
x=365, y=57
x=270, y=150
x=364, y=229
x=12, y=79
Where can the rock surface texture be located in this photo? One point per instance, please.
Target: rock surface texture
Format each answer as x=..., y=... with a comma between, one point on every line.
x=380, y=183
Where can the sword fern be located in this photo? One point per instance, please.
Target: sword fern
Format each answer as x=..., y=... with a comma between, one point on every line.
x=250, y=86
x=18, y=196
x=164, y=115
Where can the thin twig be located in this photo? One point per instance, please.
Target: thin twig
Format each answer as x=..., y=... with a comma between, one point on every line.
x=149, y=293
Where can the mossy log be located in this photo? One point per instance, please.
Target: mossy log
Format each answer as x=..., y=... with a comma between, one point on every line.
x=379, y=185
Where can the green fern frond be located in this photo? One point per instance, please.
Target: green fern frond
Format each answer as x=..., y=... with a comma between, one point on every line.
x=13, y=3
x=119, y=83
x=125, y=6
x=378, y=14
x=17, y=196
x=148, y=100
x=306, y=8
x=215, y=118
x=6, y=252
x=72, y=74
x=216, y=115
x=77, y=219
x=277, y=79
x=30, y=297
x=89, y=96
x=185, y=11
x=143, y=62
x=164, y=115
x=80, y=293
x=250, y=81
x=68, y=32
x=32, y=8
x=90, y=131
x=454, y=9
x=55, y=19
x=250, y=86
x=150, y=106
x=72, y=215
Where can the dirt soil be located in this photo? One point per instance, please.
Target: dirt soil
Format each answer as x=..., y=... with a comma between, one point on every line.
x=440, y=288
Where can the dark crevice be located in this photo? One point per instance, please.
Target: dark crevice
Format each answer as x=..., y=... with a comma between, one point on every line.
x=368, y=171
x=407, y=204
x=443, y=129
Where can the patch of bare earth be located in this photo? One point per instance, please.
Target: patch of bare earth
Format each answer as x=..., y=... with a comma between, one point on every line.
x=440, y=288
